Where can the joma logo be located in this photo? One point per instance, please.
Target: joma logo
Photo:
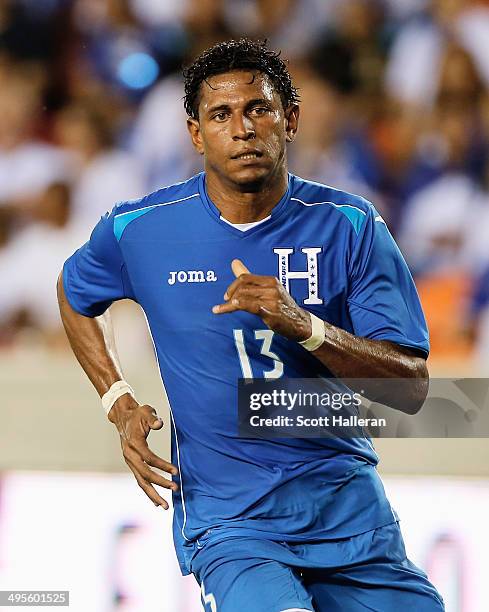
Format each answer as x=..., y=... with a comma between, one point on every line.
x=191, y=276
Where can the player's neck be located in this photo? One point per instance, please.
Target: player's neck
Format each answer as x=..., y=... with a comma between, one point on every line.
x=238, y=206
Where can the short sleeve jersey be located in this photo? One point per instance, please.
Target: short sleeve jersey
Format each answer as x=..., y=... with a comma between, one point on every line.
x=171, y=252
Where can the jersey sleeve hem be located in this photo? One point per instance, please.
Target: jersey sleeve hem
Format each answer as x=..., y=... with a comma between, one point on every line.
x=392, y=335
x=70, y=295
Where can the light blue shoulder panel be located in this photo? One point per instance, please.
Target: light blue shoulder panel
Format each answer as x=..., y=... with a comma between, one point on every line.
x=122, y=221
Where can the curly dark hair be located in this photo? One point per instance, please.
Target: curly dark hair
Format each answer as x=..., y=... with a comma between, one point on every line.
x=242, y=54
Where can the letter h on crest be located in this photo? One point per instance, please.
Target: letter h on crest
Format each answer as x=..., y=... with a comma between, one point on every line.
x=311, y=274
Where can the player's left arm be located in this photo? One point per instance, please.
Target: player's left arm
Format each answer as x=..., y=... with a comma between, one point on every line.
x=344, y=354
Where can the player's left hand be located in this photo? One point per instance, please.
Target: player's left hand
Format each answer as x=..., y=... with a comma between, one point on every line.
x=266, y=297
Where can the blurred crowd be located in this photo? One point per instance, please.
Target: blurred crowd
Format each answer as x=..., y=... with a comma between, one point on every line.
x=395, y=107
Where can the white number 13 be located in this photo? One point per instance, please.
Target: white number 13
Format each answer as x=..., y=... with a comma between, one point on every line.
x=266, y=335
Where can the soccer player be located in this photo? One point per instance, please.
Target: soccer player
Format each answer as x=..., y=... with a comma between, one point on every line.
x=246, y=270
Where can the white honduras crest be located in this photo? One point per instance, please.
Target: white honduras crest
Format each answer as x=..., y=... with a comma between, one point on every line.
x=311, y=274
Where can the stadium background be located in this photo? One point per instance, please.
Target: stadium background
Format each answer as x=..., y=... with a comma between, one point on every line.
x=395, y=106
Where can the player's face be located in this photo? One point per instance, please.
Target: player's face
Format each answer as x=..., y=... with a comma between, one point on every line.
x=243, y=129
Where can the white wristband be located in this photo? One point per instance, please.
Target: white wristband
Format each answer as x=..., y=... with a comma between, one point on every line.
x=120, y=387
x=318, y=334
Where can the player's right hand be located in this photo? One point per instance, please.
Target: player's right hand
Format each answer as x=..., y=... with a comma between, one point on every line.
x=134, y=422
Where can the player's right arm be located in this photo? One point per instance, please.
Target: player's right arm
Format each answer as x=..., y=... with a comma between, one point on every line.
x=91, y=279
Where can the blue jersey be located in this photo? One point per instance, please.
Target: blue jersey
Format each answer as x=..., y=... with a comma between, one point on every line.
x=171, y=252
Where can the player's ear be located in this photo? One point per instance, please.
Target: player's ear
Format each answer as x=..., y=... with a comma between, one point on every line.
x=291, y=118
x=193, y=127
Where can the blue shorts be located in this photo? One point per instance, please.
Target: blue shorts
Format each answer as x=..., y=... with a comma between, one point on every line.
x=367, y=572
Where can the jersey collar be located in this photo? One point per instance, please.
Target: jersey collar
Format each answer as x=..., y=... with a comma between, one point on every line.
x=215, y=213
